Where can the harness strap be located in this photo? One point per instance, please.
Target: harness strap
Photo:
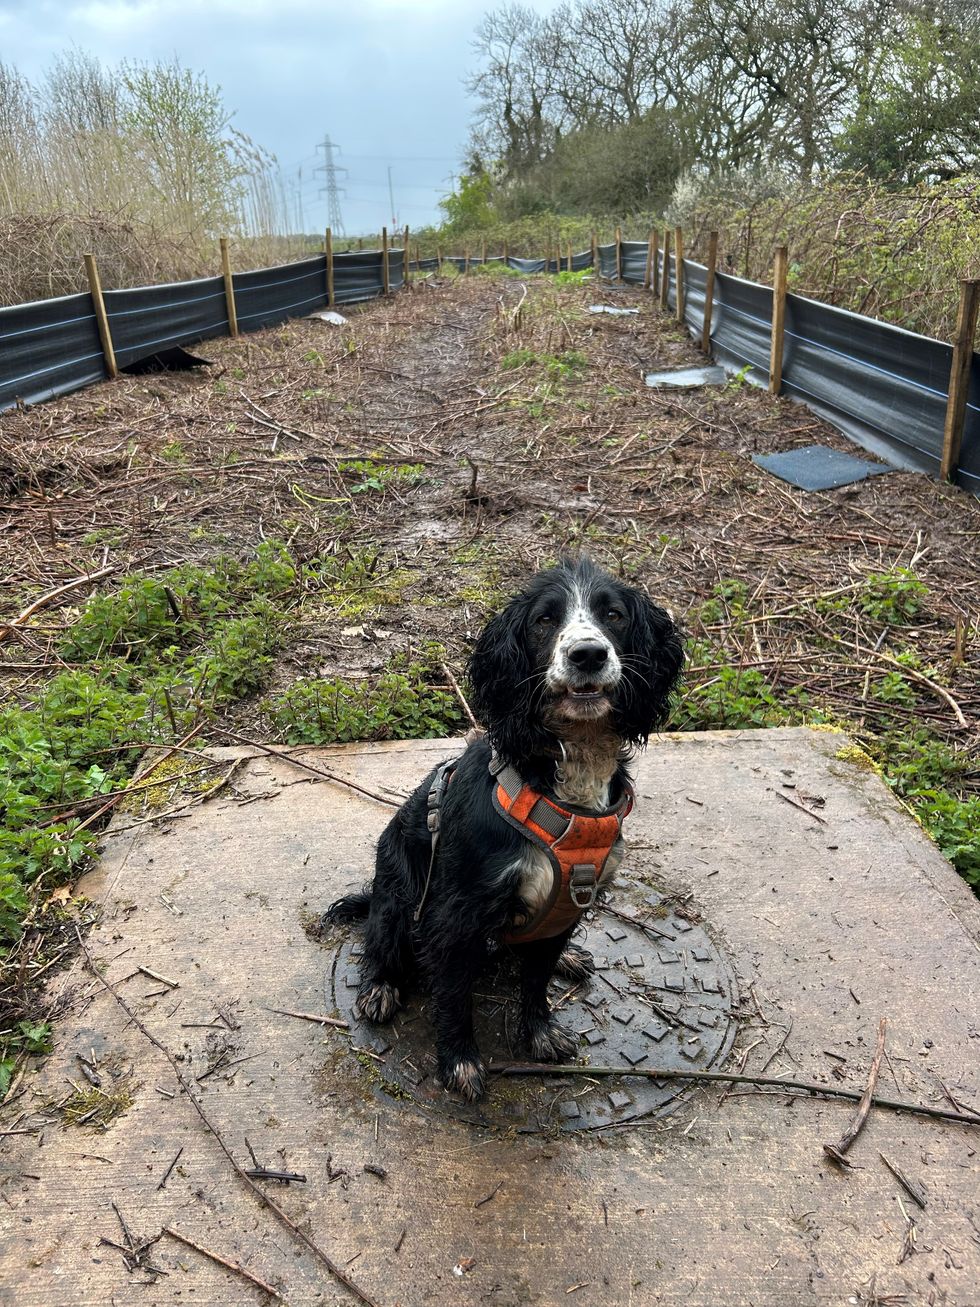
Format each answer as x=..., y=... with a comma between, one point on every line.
x=437, y=792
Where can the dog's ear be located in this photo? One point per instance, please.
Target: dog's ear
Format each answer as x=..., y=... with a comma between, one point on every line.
x=504, y=688
x=653, y=664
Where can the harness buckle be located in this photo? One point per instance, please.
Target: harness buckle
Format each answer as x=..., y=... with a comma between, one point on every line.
x=583, y=884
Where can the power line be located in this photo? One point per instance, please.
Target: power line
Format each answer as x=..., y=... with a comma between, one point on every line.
x=331, y=190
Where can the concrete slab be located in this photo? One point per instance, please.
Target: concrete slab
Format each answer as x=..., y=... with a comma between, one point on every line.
x=730, y=1200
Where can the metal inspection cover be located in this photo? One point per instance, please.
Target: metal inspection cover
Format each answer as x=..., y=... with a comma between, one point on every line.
x=663, y=995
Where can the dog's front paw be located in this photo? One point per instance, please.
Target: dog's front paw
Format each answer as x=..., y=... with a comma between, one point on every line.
x=576, y=963
x=378, y=1002
x=547, y=1041
x=464, y=1076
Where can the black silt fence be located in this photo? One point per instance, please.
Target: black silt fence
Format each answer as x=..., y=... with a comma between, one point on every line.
x=884, y=387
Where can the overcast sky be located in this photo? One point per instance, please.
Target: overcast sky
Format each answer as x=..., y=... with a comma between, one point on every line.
x=383, y=77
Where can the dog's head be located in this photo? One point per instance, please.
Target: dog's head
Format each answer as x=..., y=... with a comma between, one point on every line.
x=575, y=650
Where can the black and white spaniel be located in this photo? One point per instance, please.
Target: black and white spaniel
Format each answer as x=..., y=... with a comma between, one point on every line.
x=576, y=671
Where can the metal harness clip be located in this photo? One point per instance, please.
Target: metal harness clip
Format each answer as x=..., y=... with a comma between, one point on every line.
x=583, y=884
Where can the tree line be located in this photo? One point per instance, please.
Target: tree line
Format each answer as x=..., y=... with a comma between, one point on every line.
x=603, y=104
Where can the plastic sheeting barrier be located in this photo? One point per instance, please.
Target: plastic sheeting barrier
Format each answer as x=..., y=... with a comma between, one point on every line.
x=884, y=387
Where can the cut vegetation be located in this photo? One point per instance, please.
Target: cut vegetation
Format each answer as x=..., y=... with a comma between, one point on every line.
x=317, y=574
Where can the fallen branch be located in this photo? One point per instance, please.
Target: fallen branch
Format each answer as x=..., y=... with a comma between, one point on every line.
x=336, y=1271
x=726, y=1077
x=8, y=628
x=836, y=1151
x=305, y=766
x=460, y=696
x=231, y=1266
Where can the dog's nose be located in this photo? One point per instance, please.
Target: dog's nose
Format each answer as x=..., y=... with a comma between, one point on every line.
x=588, y=655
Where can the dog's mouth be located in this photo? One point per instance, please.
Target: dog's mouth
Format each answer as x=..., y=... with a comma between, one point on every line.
x=585, y=693
x=586, y=700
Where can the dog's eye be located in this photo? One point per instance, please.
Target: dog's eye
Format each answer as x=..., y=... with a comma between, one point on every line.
x=544, y=620
x=615, y=615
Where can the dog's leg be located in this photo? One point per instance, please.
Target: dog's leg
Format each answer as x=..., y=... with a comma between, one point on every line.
x=387, y=959
x=547, y=1041
x=576, y=963
x=454, y=972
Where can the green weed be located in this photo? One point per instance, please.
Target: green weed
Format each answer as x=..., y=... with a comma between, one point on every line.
x=399, y=704
x=376, y=476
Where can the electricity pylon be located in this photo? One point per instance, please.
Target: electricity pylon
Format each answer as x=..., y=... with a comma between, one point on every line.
x=331, y=190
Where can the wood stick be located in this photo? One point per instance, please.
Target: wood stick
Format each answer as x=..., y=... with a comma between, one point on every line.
x=780, y=266
x=405, y=259
x=222, y=1261
x=619, y=254
x=959, y=377
x=7, y=628
x=595, y=253
x=336, y=1271
x=837, y=1151
x=328, y=250
x=665, y=281
x=311, y=1016
x=655, y=263
x=725, y=1077
x=678, y=274
x=568, y=248
x=460, y=696
x=101, y=317
x=386, y=288
x=229, y=287
x=305, y=766
x=709, y=291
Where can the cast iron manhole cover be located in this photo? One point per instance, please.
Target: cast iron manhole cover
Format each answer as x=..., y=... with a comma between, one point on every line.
x=662, y=996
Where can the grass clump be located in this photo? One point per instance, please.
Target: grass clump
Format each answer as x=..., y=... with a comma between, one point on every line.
x=377, y=476
x=565, y=366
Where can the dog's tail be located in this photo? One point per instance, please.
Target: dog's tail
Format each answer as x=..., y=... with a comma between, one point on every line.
x=352, y=907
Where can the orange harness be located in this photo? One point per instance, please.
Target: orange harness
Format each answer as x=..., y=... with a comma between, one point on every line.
x=577, y=844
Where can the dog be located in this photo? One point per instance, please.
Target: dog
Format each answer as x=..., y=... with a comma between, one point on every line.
x=571, y=677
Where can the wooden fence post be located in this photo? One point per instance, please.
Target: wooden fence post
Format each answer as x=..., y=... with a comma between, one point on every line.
x=229, y=287
x=780, y=266
x=466, y=261
x=386, y=287
x=665, y=279
x=405, y=257
x=619, y=254
x=959, y=377
x=709, y=291
x=678, y=274
x=101, y=317
x=655, y=263
x=483, y=251
x=328, y=249
x=568, y=247
x=595, y=254
x=506, y=255
x=647, y=276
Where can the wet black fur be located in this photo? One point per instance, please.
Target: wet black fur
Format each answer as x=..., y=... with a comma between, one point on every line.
x=473, y=897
